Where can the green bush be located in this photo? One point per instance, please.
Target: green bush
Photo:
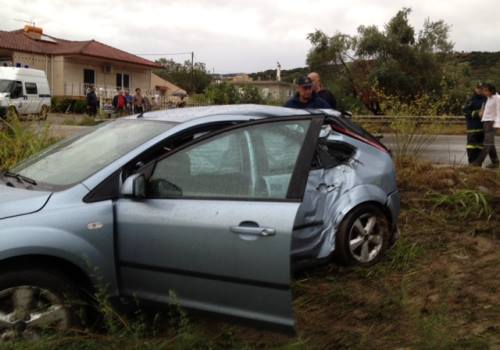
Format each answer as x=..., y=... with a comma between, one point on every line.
x=79, y=107
x=222, y=94
x=251, y=94
x=63, y=105
x=60, y=105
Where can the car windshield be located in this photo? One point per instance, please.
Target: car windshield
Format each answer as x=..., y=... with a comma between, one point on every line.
x=5, y=85
x=74, y=160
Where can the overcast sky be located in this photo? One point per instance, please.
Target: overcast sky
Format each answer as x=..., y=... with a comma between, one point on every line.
x=241, y=35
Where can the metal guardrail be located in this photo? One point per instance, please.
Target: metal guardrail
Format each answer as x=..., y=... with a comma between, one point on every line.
x=386, y=120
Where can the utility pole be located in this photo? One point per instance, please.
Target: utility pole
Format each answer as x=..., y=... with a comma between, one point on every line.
x=192, y=71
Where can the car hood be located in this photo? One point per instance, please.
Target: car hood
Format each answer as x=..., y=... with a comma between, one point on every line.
x=18, y=201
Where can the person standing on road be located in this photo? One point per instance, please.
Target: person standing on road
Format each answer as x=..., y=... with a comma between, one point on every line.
x=91, y=102
x=138, y=101
x=490, y=119
x=475, y=132
x=305, y=97
x=321, y=91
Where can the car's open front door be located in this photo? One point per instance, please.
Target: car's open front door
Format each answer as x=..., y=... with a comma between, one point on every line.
x=215, y=229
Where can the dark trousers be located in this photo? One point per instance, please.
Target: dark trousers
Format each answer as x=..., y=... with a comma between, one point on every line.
x=488, y=145
x=475, y=139
x=92, y=110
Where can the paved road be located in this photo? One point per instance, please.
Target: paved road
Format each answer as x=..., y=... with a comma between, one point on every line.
x=444, y=149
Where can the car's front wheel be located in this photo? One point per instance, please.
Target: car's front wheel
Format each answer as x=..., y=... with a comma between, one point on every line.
x=363, y=236
x=34, y=302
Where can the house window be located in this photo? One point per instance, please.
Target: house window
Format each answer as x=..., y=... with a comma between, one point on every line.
x=126, y=81
x=89, y=76
x=122, y=81
x=31, y=88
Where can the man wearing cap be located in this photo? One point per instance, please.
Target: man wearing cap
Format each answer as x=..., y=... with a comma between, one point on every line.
x=475, y=132
x=305, y=96
x=321, y=91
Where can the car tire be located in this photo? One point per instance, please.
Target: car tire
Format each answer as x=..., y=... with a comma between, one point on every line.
x=362, y=237
x=36, y=301
x=44, y=112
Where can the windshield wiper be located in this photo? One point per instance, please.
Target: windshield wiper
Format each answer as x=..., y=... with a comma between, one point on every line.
x=20, y=178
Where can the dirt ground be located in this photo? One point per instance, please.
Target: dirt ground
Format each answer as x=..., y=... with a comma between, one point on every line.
x=438, y=287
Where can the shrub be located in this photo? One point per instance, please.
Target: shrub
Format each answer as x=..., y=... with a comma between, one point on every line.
x=63, y=105
x=79, y=107
x=222, y=94
x=60, y=105
x=18, y=141
x=251, y=94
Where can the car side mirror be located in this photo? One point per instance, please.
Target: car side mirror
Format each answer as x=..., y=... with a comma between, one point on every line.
x=134, y=186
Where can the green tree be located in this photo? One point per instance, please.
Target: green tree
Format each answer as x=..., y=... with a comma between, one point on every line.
x=193, y=80
x=222, y=94
x=396, y=60
x=251, y=94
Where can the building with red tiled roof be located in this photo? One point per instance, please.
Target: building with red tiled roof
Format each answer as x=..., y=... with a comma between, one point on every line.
x=72, y=66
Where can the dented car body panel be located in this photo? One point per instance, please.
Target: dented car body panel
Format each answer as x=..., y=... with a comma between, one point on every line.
x=207, y=208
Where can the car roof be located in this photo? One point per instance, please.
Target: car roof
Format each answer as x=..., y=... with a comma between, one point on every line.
x=182, y=115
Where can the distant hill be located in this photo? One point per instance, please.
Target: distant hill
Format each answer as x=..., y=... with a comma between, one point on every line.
x=484, y=66
x=288, y=75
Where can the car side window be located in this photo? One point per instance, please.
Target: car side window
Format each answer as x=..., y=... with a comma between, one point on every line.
x=17, y=90
x=281, y=144
x=31, y=88
x=234, y=164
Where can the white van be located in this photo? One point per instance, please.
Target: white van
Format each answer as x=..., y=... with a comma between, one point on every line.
x=24, y=91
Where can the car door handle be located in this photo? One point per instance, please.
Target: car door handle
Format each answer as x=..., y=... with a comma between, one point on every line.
x=254, y=231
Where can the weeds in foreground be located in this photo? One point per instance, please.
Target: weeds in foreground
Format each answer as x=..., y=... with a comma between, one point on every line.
x=18, y=142
x=465, y=204
x=412, y=139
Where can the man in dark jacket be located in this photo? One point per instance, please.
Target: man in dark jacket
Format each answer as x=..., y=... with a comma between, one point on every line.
x=305, y=97
x=321, y=91
x=475, y=132
x=92, y=102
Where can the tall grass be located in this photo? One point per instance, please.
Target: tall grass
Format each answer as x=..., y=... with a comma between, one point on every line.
x=411, y=136
x=465, y=204
x=19, y=141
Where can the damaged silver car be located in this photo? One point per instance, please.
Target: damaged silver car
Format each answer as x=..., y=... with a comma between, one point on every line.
x=212, y=203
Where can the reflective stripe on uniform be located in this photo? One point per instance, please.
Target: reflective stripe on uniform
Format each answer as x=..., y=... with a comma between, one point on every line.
x=474, y=147
x=475, y=130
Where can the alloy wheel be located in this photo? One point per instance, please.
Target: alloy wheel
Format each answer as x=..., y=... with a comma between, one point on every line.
x=366, y=238
x=28, y=311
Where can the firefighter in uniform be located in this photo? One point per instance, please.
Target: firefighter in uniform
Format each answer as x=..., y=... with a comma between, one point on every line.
x=475, y=132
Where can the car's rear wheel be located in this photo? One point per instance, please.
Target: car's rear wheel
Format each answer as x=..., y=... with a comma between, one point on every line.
x=363, y=236
x=35, y=302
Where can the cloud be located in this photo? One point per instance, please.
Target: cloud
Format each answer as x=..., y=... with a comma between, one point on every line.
x=244, y=35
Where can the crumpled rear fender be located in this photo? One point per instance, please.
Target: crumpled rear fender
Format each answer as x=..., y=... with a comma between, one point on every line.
x=355, y=197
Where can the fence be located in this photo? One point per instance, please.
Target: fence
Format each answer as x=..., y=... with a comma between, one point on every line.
x=102, y=91
x=384, y=120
